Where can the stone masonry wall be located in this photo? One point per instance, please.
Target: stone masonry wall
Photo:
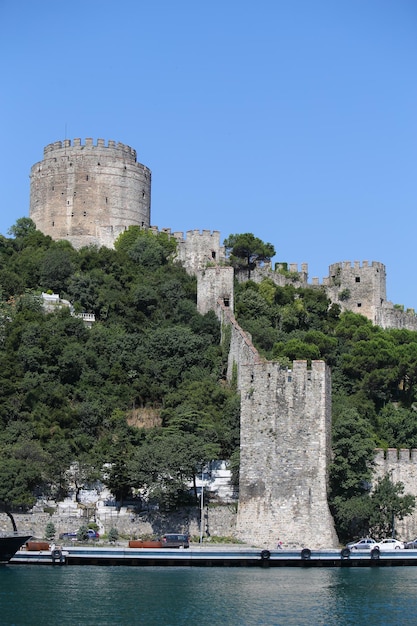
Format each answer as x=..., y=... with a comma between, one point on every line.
x=241, y=349
x=214, y=283
x=390, y=317
x=220, y=521
x=89, y=194
x=285, y=449
x=199, y=249
x=285, y=439
x=363, y=287
x=401, y=465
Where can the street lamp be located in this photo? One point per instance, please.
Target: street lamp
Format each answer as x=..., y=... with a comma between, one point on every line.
x=202, y=506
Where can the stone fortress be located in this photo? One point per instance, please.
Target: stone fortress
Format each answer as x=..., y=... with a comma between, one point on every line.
x=89, y=194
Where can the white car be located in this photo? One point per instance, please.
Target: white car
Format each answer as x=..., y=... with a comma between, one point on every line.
x=363, y=544
x=389, y=544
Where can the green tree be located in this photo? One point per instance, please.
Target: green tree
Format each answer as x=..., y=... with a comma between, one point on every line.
x=50, y=531
x=397, y=426
x=350, y=471
x=245, y=250
x=22, y=470
x=57, y=267
x=22, y=228
x=167, y=461
x=388, y=503
x=113, y=535
x=82, y=533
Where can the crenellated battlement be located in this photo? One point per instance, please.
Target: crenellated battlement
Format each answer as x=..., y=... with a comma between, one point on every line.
x=89, y=144
x=394, y=455
x=356, y=265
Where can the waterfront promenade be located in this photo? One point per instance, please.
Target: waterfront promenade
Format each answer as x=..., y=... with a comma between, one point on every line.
x=213, y=556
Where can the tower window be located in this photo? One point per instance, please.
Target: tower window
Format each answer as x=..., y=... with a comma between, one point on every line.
x=357, y=279
x=359, y=305
x=86, y=178
x=213, y=254
x=226, y=301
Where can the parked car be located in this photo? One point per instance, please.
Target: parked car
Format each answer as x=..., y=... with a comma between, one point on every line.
x=92, y=534
x=389, y=544
x=71, y=536
x=411, y=545
x=367, y=543
x=174, y=540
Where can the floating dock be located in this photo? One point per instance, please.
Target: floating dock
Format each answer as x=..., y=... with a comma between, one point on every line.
x=209, y=556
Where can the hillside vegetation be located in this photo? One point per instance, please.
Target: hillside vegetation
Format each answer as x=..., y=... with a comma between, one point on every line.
x=139, y=400
x=140, y=394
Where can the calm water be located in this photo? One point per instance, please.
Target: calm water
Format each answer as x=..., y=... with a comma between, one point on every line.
x=45, y=596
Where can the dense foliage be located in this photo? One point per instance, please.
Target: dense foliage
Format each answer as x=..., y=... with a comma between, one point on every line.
x=136, y=400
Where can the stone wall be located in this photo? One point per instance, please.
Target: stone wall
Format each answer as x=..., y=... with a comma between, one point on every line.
x=199, y=249
x=357, y=287
x=241, y=349
x=354, y=286
x=219, y=521
x=391, y=317
x=401, y=465
x=214, y=283
x=285, y=449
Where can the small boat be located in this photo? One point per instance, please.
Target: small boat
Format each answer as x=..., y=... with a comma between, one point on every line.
x=10, y=544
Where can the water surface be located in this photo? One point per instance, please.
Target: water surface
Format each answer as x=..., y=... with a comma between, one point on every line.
x=171, y=596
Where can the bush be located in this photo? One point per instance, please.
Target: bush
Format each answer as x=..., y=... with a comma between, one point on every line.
x=50, y=531
x=113, y=535
x=82, y=533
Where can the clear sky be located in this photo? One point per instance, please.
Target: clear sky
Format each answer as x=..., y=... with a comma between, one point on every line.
x=295, y=120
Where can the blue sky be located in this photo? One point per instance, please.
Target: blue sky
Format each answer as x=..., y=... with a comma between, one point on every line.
x=295, y=120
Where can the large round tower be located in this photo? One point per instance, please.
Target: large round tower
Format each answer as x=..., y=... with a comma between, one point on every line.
x=89, y=194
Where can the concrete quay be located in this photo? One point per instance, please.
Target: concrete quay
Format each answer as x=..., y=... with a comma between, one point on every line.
x=209, y=556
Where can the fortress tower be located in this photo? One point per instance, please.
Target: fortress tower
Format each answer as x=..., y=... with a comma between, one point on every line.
x=358, y=288
x=284, y=455
x=89, y=194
